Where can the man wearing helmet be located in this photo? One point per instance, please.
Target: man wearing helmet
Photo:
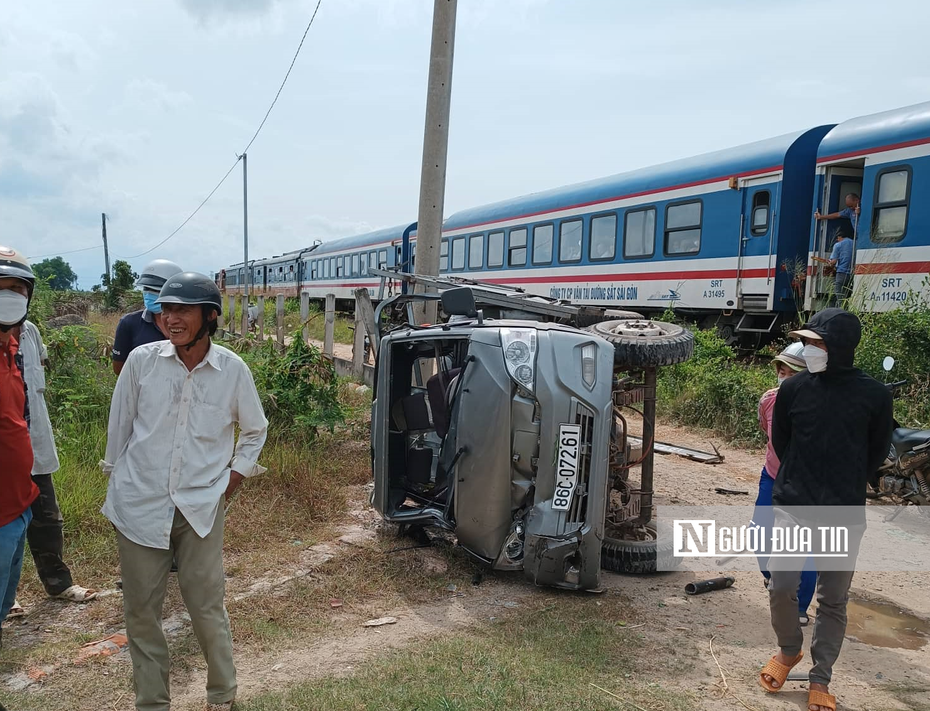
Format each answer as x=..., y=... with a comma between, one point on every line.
x=17, y=491
x=145, y=326
x=171, y=461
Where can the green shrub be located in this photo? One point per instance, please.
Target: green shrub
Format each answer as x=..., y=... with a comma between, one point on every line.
x=299, y=388
x=715, y=390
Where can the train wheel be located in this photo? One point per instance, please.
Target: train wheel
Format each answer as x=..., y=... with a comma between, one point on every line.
x=642, y=343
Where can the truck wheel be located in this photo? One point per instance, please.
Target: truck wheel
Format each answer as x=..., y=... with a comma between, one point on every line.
x=643, y=343
x=635, y=557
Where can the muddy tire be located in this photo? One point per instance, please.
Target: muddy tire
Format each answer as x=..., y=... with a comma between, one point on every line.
x=644, y=344
x=635, y=557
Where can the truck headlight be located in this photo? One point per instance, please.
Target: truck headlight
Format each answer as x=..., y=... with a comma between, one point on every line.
x=589, y=364
x=519, y=346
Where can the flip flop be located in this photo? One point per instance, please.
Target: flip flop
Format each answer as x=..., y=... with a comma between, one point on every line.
x=16, y=611
x=778, y=671
x=821, y=699
x=77, y=594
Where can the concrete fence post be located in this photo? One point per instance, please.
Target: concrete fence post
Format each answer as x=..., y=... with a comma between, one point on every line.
x=279, y=320
x=329, y=335
x=358, y=345
x=304, y=315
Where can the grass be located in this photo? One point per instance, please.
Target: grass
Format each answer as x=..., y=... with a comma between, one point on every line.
x=551, y=656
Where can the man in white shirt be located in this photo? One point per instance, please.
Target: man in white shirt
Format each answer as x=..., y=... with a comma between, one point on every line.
x=44, y=535
x=171, y=461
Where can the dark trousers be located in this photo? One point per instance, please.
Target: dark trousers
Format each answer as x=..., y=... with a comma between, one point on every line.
x=842, y=288
x=45, y=538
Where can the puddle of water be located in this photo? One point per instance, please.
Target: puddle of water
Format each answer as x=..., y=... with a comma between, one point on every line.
x=882, y=624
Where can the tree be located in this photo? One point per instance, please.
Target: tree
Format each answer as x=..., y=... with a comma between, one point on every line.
x=57, y=272
x=122, y=281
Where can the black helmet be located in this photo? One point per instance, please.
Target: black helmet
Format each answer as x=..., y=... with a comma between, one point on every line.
x=15, y=265
x=191, y=288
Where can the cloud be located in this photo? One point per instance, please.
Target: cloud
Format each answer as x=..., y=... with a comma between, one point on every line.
x=207, y=11
x=152, y=95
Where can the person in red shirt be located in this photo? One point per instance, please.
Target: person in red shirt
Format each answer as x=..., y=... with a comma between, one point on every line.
x=17, y=490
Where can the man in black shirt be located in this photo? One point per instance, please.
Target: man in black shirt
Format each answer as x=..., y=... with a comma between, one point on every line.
x=831, y=429
x=140, y=327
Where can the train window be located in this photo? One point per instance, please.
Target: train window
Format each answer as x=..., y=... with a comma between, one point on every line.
x=602, y=242
x=444, y=256
x=892, y=192
x=542, y=244
x=363, y=263
x=347, y=265
x=354, y=265
x=496, y=249
x=458, y=253
x=683, y=228
x=476, y=251
x=570, y=241
x=313, y=271
x=639, y=233
x=372, y=260
x=760, y=213
x=382, y=259
x=517, y=253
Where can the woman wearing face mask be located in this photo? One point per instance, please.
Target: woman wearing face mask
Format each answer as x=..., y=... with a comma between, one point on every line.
x=17, y=490
x=787, y=363
x=140, y=327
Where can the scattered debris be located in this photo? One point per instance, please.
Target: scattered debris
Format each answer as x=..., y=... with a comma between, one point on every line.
x=335, y=603
x=695, y=455
x=106, y=647
x=66, y=320
x=380, y=622
x=729, y=492
x=618, y=698
x=37, y=673
x=277, y=667
x=703, y=586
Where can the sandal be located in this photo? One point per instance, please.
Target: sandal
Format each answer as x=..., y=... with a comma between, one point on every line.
x=826, y=702
x=76, y=594
x=778, y=671
x=16, y=611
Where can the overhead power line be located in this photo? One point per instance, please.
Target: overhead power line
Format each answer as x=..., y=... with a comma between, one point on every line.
x=238, y=157
x=70, y=251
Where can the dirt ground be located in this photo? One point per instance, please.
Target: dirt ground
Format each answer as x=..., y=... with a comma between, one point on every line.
x=868, y=677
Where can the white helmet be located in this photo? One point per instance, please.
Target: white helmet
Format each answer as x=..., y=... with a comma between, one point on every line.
x=793, y=357
x=156, y=273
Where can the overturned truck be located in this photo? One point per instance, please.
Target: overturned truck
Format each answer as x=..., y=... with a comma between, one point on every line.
x=512, y=432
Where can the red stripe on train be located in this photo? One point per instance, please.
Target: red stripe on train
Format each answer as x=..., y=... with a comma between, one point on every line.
x=894, y=268
x=877, y=149
x=637, y=276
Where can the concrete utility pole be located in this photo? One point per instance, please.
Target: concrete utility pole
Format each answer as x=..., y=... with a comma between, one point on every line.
x=245, y=226
x=435, y=147
x=106, y=250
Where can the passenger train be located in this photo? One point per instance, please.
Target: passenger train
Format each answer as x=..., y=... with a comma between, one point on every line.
x=727, y=236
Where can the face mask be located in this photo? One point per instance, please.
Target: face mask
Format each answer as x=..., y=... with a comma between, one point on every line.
x=13, y=307
x=816, y=359
x=781, y=379
x=149, y=299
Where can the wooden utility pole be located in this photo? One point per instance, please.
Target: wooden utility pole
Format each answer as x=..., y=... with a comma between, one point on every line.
x=106, y=250
x=435, y=147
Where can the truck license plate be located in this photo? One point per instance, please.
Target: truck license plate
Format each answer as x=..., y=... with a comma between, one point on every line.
x=566, y=471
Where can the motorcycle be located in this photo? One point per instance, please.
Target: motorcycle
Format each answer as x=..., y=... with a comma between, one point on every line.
x=904, y=478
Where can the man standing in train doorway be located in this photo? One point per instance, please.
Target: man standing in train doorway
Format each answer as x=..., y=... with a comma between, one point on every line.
x=842, y=258
x=850, y=212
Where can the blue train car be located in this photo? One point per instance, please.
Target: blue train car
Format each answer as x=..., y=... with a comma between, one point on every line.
x=884, y=158
x=708, y=234
x=340, y=266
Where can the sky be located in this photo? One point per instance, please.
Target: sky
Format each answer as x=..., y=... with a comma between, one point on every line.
x=137, y=109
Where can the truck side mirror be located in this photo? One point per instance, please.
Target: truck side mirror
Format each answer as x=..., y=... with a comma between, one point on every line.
x=459, y=302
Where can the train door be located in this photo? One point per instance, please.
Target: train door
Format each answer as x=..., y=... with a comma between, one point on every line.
x=840, y=181
x=758, y=227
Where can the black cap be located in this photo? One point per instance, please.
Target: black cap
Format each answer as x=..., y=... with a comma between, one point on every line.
x=191, y=288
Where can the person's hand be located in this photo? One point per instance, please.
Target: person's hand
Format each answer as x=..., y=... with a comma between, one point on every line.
x=817, y=215
x=235, y=479
x=857, y=210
